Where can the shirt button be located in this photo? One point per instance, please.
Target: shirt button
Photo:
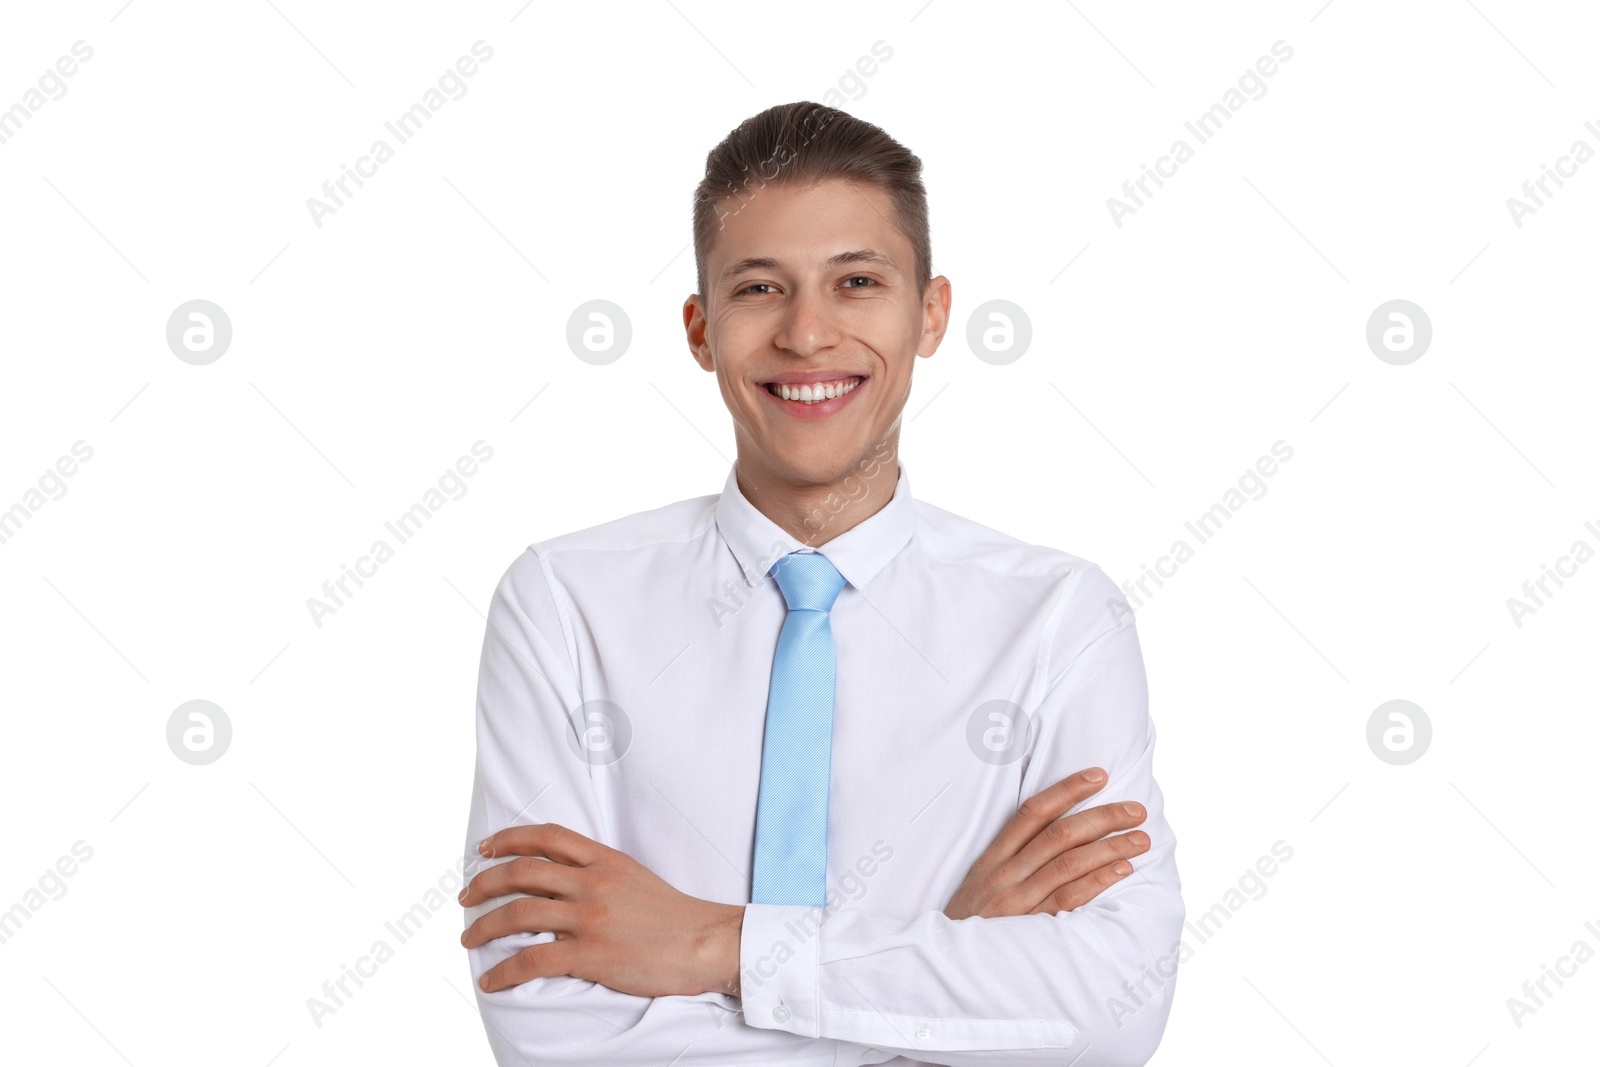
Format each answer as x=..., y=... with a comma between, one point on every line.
x=781, y=1013
x=923, y=1033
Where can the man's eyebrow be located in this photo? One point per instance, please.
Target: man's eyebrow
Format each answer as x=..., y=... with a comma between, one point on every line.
x=859, y=255
x=862, y=255
x=750, y=263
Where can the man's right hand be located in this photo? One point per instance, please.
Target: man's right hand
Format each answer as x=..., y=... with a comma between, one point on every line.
x=1043, y=863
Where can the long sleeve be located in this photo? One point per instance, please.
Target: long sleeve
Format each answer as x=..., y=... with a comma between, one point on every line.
x=1091, y=986
x=529, y=770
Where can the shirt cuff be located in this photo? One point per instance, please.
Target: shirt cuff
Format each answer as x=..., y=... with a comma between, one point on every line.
x=779, y=948
x=780, y=989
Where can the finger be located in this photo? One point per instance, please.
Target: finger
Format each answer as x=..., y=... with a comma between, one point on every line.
x=1071, y=831
x=543, y=839
x=1077, y=893
x=1039, y=810
x=1081, y=862
x=531, y=915
x=536, y=961
x=524, y=874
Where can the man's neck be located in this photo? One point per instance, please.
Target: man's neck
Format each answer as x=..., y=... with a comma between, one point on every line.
x=817, y=513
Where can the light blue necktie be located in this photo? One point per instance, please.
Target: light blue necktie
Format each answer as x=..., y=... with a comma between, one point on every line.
x=797, y=750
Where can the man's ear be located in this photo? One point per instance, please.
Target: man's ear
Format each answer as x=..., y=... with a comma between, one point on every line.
x=935, y=315
x=694, y=328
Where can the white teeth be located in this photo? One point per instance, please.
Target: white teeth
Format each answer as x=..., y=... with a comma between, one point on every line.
x=812, y=393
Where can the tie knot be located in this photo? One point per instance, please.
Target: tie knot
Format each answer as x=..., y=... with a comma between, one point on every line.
x=810, y=582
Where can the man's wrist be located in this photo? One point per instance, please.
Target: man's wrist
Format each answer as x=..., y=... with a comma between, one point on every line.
x=718, y=948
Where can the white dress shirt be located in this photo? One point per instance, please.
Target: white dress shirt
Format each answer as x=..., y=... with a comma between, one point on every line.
x=940, y=619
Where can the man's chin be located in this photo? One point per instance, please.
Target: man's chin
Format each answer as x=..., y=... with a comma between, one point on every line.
x=811, y=466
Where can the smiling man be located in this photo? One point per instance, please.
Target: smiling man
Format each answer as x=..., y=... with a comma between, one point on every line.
x=801, y=772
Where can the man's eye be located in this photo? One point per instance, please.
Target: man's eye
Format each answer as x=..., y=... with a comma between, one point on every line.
x=756, y=285
x=859, y=278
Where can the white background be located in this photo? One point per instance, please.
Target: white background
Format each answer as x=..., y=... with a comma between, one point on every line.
x=370, y=352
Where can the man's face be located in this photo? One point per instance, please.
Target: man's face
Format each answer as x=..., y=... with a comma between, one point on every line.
x=813, y=289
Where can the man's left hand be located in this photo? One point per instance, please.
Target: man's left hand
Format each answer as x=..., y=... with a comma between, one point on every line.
x=616, y=922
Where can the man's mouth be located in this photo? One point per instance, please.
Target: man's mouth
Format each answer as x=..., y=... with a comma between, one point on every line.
x=814, y=392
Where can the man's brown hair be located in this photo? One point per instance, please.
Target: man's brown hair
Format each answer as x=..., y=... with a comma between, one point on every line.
x=807, y=143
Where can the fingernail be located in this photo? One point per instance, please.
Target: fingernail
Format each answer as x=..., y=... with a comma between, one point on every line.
x=483, y=983
x=461, y=897
x=483, y=847
x=1122, y=867
x=1131, y=809
x=1096, y=775
x=463, y=937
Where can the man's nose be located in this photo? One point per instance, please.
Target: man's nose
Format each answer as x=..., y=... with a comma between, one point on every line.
x=808, y=325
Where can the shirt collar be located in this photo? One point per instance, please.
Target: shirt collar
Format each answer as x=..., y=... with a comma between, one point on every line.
x=859, y=553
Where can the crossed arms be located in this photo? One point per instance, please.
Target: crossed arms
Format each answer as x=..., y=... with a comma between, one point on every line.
x=1046, y=954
